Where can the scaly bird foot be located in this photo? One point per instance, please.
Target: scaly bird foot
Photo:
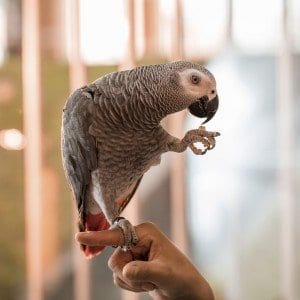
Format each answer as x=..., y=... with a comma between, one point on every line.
x=206, y=138
x=130, y=236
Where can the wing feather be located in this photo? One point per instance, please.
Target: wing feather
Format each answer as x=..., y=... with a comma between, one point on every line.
x=79, y=150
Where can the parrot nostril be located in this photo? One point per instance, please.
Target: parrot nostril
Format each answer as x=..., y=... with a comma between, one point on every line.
x=213, y=91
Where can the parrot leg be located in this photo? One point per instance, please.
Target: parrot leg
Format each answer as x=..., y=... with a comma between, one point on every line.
x=111, y=212
x=130, y=236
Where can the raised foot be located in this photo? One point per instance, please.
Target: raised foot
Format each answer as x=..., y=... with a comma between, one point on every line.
x=200, y=135
x=130, y=236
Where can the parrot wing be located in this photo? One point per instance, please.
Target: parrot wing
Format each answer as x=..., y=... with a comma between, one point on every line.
x=80, y=159
x=79, y=150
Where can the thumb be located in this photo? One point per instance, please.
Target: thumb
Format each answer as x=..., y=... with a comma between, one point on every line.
x=142, y=271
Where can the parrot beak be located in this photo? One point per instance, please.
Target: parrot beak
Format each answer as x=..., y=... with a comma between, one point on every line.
x=203, y=108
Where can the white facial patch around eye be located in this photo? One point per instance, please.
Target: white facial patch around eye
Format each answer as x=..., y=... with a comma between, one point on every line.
x=186, y=81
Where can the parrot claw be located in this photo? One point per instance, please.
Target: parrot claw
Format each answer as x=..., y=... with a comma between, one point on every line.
x=130, y=236
x=200, y=135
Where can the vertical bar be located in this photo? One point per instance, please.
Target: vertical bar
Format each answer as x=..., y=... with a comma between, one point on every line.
x=234, y=273
x=52, y=25
x=229, y=23
x=178, y=42
x=31, y=74
x=177, y=180
x=151, y=28
x=4, y=28
x=132, y=210
x=286, y=176
x=77, y=69
x=130, y=59
x=78, y=77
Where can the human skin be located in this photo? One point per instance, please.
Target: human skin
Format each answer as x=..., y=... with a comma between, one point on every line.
x=154, y=265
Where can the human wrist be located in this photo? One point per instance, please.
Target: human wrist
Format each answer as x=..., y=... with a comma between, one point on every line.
x=200, y=290
x=197, y=288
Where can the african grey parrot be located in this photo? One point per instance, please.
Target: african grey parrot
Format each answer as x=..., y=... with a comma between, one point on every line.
x=111, y=135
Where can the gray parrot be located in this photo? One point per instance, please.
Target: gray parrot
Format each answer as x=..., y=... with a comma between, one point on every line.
x=111, y=135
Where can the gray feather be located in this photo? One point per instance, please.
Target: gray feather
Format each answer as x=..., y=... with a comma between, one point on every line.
x=78, y=147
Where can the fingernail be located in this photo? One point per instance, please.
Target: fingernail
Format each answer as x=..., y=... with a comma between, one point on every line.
x=77, y=236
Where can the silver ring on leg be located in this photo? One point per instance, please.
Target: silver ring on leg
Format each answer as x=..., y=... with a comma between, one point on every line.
x=130, y=237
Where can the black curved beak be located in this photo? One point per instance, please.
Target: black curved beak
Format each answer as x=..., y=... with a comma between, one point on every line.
x=203, y=108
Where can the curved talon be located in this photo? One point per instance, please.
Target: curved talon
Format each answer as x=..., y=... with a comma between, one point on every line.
x=212, y=143
x=203, y=132
x=204, y=151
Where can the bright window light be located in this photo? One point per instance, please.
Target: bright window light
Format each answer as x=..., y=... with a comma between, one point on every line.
x=104, y=31
x=12, y=139
x=257, y=25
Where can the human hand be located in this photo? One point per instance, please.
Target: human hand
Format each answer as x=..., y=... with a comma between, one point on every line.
x=154, y=265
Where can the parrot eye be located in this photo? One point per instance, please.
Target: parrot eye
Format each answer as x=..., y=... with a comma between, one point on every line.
x=195, y=79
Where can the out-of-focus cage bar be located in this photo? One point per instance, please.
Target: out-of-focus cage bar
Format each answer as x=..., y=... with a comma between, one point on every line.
x=286, y=146
x=234, y=288
x=177, y=181
x=31, y=75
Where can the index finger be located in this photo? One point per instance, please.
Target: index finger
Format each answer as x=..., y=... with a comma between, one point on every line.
x=111, y=237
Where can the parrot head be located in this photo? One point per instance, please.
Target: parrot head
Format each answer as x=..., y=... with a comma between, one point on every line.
x=196, y=87
x=200, y=87
x=176, y=86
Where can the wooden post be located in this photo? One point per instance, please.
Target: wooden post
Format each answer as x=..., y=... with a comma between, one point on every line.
x=130, y=58
x=13, y=25
x=234, y=237
x=229, y=25
x=151, y=27
x=177, y=179
x=31, y=76
x=286, y=176
x=52, y=26
x=78, y=77
x=178, y=42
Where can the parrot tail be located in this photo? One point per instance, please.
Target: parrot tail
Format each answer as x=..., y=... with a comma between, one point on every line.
x=92, y=222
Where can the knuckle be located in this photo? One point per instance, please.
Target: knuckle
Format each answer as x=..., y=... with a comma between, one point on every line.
x=151, y=226
x=131, y=273
x=147, y=229
x=142, y=226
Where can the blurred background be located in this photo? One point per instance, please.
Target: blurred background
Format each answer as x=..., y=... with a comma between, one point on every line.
x=234, y=211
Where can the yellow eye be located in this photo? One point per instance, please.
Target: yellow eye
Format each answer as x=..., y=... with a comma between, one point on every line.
x=195, y=79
